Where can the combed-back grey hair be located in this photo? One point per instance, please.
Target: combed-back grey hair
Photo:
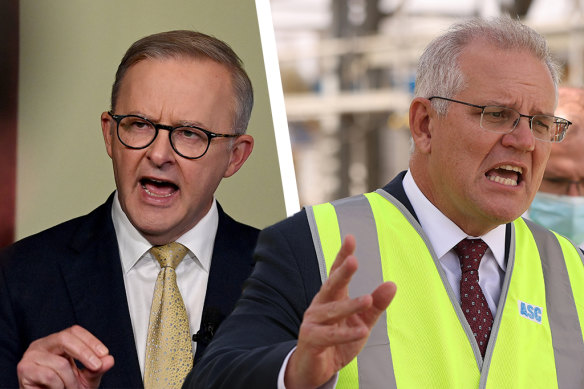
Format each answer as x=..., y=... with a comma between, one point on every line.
x=439, y=72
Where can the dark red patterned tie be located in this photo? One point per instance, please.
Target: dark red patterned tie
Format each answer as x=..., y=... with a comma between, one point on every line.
x=473, y=302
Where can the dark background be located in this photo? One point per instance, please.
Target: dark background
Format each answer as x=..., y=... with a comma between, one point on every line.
x=8, y=116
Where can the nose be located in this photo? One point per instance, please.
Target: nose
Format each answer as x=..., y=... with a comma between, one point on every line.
x=160, y=152
x=574, y=188
x=521, y=137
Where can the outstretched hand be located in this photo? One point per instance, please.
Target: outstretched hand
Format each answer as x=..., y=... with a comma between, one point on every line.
x=335, y=327
x=49, y=362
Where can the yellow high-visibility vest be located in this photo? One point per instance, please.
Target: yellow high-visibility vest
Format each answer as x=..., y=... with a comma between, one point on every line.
x=423, y=339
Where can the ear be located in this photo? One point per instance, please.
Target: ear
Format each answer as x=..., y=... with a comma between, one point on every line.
x=107, y=128
x=422, y=117
x=240, y=151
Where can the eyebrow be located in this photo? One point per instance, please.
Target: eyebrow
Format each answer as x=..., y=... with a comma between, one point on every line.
x=530, y=113
x=188, y=123
x=554, y=174
x=182, y=123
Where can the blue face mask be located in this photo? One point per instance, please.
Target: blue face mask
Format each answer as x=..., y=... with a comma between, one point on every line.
x=563, y=214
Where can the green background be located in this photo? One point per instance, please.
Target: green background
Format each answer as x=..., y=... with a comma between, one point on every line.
x=69, y=52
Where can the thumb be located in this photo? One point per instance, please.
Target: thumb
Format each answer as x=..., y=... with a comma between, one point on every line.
x=92, y=378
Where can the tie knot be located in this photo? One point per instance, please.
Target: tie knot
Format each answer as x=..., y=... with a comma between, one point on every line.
x=169, y=254
x=470, y=252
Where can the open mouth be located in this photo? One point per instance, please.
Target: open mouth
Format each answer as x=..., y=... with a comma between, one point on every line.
x=506, y=175
x=158, y=188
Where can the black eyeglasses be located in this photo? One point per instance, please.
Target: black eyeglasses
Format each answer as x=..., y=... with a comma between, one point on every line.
x=504, y=120
x=189, y=142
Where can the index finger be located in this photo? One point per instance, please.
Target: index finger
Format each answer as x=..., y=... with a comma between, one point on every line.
x=347, y=248
x=343, y=269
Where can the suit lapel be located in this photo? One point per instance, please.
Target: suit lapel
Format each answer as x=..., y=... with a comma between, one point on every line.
x=396, y=189
x=95, y=283
x=231, y=264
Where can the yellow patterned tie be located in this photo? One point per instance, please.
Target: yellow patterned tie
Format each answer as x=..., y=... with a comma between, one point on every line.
x=169, y=352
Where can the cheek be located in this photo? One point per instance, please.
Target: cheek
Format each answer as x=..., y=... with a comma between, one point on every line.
x=198, y=174
x=125, y=163
x=455, y=155
x=540, y=159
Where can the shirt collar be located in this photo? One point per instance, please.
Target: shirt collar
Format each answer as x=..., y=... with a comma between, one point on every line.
x=442, y=232
x=133, y=246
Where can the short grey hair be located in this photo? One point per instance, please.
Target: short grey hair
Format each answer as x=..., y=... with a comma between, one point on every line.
x=196, y=45
x=439, y=72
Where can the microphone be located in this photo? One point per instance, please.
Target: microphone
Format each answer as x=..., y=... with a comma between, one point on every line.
x=210, y=321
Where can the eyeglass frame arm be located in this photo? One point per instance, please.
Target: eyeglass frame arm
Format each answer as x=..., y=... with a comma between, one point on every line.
x=530, y=117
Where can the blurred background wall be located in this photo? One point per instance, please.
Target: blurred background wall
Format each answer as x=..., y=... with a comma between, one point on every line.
x=348, y=71
x=69, y=52
x=8, y=116
x=347, y=67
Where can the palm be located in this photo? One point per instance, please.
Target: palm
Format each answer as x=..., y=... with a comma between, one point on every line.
x=335, y=327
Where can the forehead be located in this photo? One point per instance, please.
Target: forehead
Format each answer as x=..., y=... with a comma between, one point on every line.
x=571, y=106
x=511, y=77
x=179, y=86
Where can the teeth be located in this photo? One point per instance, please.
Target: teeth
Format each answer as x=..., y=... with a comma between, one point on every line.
x=504, y=181
x=512, y=168
x=155, y=194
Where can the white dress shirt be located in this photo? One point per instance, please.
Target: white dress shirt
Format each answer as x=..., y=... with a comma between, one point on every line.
x=141, y=270
x=443, y=235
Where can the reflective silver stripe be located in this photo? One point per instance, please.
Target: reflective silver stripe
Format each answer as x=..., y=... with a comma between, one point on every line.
x=485, y=367
x=316, y=242
x=374, y=361
x=561, y=307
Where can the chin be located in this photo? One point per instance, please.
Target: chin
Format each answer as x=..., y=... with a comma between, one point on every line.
x=502, y=214
x=150, y=223
x=506, y=217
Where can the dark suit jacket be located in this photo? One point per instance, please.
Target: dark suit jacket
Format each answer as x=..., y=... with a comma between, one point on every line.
x=71, y=274
x=252, y=343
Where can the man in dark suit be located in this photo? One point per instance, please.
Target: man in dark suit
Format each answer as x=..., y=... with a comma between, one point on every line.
x=482, y=125
x=75, y=299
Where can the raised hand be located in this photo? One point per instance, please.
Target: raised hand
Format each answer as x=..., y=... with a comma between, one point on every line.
x=335, y=327
x=49, y=362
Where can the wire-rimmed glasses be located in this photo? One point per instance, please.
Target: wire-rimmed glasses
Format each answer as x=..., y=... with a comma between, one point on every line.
x=504, y=120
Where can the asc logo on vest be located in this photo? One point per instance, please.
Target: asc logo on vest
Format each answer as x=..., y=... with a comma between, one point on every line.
x=531, y=312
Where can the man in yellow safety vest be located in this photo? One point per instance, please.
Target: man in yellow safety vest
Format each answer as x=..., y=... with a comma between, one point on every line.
x=486, y=299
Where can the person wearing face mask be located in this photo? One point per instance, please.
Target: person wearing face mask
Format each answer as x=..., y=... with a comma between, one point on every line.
x=559, y=203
